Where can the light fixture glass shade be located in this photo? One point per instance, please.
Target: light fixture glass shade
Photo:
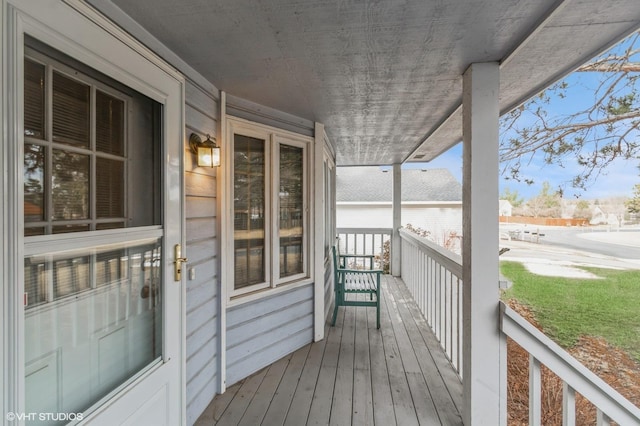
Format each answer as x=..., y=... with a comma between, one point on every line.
x=207, y=152
x=205, y=156
x=215, y=156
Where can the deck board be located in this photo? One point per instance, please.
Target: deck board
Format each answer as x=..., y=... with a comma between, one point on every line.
x=397, y=375
x=303, y=396
x=281, y=403
x=362, y=394
x=264, y=395
x=403, y=404
x=342, y=402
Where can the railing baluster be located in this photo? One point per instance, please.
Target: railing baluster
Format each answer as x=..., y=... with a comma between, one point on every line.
x=576, y=377
x=568, y=405
x=535, y=392
x=602, y=419
x=432, y=293
x=458, y=351
x=450, y=316
x=436, y=281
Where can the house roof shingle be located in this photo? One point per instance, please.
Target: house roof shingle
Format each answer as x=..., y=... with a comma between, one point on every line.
x=372, y=184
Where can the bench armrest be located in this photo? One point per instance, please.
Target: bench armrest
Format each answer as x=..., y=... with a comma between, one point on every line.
x=360, y=271
x=344, y=257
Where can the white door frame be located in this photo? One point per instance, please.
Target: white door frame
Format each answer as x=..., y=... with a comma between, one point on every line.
x=74, y=28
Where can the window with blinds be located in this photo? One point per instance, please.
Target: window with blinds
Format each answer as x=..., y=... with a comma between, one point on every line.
x=291, y=205
x=249, y=211
x=75, y=161
x=71, y=109
x=270, y=207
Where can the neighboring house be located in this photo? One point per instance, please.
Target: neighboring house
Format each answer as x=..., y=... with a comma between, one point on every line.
x=504, y=208
x=431, y=200
x=139, y=282
x=601, y=217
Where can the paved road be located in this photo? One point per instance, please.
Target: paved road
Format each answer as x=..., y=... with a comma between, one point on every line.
x=578, y=246
x=623, y=244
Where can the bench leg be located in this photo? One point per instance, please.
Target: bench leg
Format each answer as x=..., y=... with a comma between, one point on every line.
x=378, y=292
x=337, y=302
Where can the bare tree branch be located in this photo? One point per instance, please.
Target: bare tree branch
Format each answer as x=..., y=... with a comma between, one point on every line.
x=591, y=136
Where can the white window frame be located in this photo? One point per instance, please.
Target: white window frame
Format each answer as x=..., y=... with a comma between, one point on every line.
x=273, y=138
x=279, y=140
x=329, y=200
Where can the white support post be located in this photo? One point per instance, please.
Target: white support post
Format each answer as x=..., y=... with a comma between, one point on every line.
x=482, y=373
x=222, y=227
x=396, y=254
x=319, y=221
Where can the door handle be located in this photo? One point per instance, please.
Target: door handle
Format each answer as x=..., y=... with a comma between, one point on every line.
x=179, y=260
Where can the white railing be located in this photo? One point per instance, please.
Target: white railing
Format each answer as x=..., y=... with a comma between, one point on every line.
x=576, y=377
x=434, y=278
x=366, y=241
x=433, y=275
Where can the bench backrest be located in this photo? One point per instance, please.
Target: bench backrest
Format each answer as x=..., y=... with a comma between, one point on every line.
x=336, y=255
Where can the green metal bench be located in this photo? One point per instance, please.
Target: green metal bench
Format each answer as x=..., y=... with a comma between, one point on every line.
x=353, y=281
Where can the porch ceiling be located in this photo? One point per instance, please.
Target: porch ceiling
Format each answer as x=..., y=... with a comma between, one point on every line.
x=384, y=76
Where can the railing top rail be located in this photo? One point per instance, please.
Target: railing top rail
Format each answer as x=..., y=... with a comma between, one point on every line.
x=449, y=260
x=569, y=369
x=364, y=230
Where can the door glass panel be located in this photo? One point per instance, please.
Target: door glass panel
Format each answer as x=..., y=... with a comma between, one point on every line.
x=85, y=171
x=63, y=229
x=70, y=276
x=70, y=185
x=36, y=282
x=109, y=188
x=109, y=225
x=30, y=232
x=34, y=99
x=291, y=210
x=249, y=210
x=33, y=183
x=70, y=111
x=92, y=321
x=109, y=124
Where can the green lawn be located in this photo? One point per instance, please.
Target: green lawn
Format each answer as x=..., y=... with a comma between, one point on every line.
x=568, y=308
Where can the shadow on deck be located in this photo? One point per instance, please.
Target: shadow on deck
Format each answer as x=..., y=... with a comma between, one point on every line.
x=356, y=375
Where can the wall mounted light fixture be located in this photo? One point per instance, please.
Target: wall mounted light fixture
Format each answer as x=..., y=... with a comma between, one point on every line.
x=207, y=152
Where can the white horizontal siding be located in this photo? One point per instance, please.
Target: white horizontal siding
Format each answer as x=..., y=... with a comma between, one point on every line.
x=261, y=332
x=203, y=227
x=203, y=303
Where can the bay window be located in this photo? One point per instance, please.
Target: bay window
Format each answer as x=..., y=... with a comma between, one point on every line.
x=270, y=207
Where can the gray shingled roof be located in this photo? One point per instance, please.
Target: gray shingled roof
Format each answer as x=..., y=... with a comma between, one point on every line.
x=371, y=184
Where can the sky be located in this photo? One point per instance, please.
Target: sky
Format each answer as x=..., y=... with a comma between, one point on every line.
x=618, y=179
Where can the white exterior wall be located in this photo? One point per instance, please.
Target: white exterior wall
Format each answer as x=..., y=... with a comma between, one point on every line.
x=202, y=248
x=438, y=219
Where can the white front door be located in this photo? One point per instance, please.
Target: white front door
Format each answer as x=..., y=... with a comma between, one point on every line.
x=94, y=131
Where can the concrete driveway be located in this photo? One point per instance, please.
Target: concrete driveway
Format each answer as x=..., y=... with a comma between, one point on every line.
x=561, y=250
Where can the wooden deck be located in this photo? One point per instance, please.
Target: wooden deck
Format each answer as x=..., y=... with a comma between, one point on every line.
x=357, y=375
